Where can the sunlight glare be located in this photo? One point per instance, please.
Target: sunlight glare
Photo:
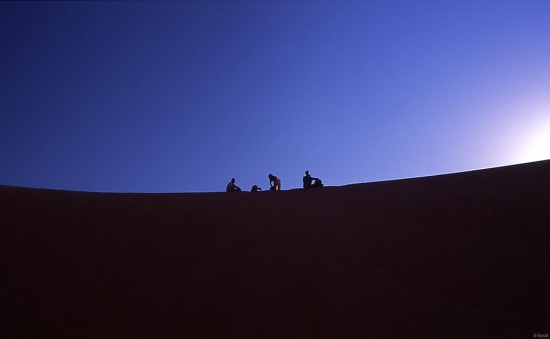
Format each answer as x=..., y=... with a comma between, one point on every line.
x=538, y=145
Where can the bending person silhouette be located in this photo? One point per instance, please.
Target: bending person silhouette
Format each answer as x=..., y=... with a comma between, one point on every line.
x=311, y=182
x=231, y=187
x=274, y=182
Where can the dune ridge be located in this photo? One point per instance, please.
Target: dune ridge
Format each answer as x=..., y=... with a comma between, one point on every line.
x=457, y=256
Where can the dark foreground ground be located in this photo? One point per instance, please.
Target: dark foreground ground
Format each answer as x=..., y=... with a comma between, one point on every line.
x=456, y=256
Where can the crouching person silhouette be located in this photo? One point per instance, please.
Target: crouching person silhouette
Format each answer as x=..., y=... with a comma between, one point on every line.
x=274, y=182
x=231, y=187
x=311, y=182
x=255, y=189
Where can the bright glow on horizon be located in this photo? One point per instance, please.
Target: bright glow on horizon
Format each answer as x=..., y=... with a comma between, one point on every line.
x=538, y=147
x=535, y=144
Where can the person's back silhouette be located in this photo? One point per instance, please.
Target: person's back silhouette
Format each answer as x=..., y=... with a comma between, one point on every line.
x=274, y=182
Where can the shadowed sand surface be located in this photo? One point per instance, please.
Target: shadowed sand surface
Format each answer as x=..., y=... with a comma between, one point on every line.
x=454, y=256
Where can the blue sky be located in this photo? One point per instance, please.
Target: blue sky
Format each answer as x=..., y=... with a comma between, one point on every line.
x=183, y=96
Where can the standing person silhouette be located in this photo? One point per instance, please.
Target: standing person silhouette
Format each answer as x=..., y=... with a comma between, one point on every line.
x=274, y=182
x=231, y=187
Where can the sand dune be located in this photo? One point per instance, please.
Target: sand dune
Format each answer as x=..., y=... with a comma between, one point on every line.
x=454, y=256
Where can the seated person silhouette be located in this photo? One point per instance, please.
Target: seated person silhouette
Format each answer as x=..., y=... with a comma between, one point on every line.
x=231, y=187
x=311, y=182
x=274, y=182
x=255, y=189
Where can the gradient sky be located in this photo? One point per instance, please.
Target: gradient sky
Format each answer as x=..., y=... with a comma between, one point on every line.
x=183, y=96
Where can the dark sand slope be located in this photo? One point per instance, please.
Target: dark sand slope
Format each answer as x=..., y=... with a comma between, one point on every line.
x=456, y=256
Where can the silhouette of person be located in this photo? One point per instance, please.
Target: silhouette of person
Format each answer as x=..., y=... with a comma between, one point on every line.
x=231, y=187
x=311, y=182
x=274, y=182
x=255, y=189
